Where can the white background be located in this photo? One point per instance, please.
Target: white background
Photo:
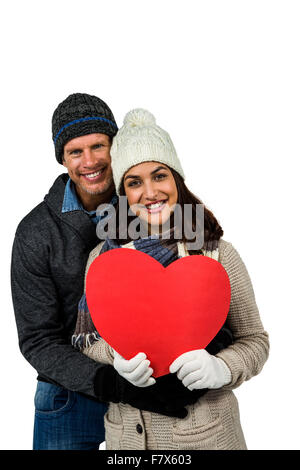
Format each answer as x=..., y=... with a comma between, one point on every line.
x=223, y=78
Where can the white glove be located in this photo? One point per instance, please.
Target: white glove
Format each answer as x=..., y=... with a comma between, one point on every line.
x=199, y=369
x=136, y=370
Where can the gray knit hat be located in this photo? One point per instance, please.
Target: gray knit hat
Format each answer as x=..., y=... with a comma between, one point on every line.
x=141, y=140
x=80, y=114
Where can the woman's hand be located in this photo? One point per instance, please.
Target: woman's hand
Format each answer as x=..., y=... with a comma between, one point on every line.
x=199, y=369
x=136, y=370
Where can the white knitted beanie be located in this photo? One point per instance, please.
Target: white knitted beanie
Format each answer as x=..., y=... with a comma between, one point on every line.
x=141, y=140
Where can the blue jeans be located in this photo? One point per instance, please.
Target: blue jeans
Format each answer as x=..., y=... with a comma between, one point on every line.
x=66, y=420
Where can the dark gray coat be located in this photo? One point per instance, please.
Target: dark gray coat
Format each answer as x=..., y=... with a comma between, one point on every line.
x=49, y=256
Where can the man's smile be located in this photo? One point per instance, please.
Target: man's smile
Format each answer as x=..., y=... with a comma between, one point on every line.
x=94, y=176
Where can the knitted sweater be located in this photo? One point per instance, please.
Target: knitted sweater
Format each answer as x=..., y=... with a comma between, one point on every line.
x=213, y=421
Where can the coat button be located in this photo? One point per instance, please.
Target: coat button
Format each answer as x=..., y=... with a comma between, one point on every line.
x=139, y=428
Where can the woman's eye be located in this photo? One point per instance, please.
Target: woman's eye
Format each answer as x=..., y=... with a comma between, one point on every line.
x=133, y=183
x=160, y=176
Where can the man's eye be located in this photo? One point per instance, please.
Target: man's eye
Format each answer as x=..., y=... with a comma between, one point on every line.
x=97, y=146
x=75, y=153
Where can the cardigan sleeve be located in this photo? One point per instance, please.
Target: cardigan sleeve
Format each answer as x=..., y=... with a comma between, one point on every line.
x=250, y=349
x=100, y=351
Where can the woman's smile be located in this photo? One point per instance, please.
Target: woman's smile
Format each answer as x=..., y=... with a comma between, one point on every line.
x=155, y=207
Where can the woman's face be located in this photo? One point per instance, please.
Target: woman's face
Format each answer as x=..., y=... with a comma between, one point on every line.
x=151, y=185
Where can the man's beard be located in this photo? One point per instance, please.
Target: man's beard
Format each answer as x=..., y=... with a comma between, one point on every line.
x=108, y=184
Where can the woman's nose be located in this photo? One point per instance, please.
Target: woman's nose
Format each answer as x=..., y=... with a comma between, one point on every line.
x=150, y=191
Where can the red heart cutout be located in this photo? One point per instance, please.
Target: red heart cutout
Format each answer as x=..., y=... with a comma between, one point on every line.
x=137, y=305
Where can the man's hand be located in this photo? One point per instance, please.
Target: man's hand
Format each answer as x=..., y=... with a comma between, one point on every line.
x=136, y=370
x=198, y=369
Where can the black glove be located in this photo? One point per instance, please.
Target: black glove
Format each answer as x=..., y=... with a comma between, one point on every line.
x=171, y=390
x=109, y=386
x=222, y=340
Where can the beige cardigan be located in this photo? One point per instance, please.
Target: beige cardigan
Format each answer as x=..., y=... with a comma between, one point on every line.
x=213, y=421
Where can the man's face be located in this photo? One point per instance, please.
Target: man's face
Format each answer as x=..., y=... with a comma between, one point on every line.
x=88, y=162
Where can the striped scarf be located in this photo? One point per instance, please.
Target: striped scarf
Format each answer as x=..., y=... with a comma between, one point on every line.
x=164, y=251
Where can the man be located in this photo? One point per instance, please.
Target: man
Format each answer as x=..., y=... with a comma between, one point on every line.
x=50, y=252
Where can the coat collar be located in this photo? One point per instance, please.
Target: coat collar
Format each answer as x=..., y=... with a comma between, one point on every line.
x=77, y=219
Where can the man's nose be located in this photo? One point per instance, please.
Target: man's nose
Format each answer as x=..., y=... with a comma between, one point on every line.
x=89, y=158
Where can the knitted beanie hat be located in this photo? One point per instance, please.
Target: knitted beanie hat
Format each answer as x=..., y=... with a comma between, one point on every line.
x=80, y=114
x=141, y=140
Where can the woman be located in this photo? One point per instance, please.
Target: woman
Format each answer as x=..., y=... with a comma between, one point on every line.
x=147, y=170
